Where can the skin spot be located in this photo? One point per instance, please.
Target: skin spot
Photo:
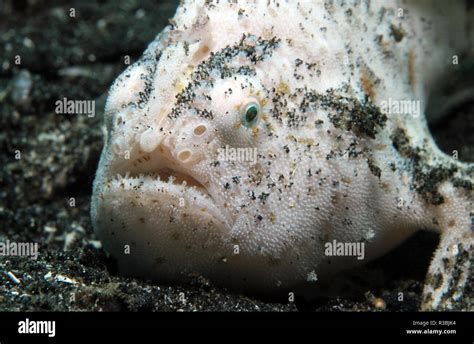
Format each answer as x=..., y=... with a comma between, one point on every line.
x=179, y=86
x=282, y=88
x=255, y=131
x=201, y=54
x=306, y=141
x=346, y=180
x=437, y=281
x=364, y=119
x=376, y=171
x=136, y=86
x=272, y=218
x=411, y=70
x=367, y=84
x=397, y=32
x=162, y=114
x=385, y=186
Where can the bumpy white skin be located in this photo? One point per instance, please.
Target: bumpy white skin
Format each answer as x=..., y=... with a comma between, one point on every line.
x=261, y=226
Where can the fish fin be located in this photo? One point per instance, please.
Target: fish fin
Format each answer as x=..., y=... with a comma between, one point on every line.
x=449, y=281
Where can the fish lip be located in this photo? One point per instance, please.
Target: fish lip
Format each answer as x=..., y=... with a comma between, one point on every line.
x=202, y=186
x=161, y=177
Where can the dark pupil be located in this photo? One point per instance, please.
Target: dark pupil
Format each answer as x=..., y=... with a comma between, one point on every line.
x=251, y=113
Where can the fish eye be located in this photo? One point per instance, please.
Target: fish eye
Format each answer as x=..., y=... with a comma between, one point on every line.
x=250, y=114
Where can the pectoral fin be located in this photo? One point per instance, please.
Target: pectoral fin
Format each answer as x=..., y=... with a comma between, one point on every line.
x=449, y=282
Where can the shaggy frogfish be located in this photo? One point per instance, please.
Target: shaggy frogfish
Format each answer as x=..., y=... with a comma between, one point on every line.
x=253, y=135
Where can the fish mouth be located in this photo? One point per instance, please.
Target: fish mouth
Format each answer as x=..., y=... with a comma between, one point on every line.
x=180, y=178
x=164, y=215
x=169, y=186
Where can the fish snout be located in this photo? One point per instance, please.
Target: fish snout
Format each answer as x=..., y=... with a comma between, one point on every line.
x=185, y=143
